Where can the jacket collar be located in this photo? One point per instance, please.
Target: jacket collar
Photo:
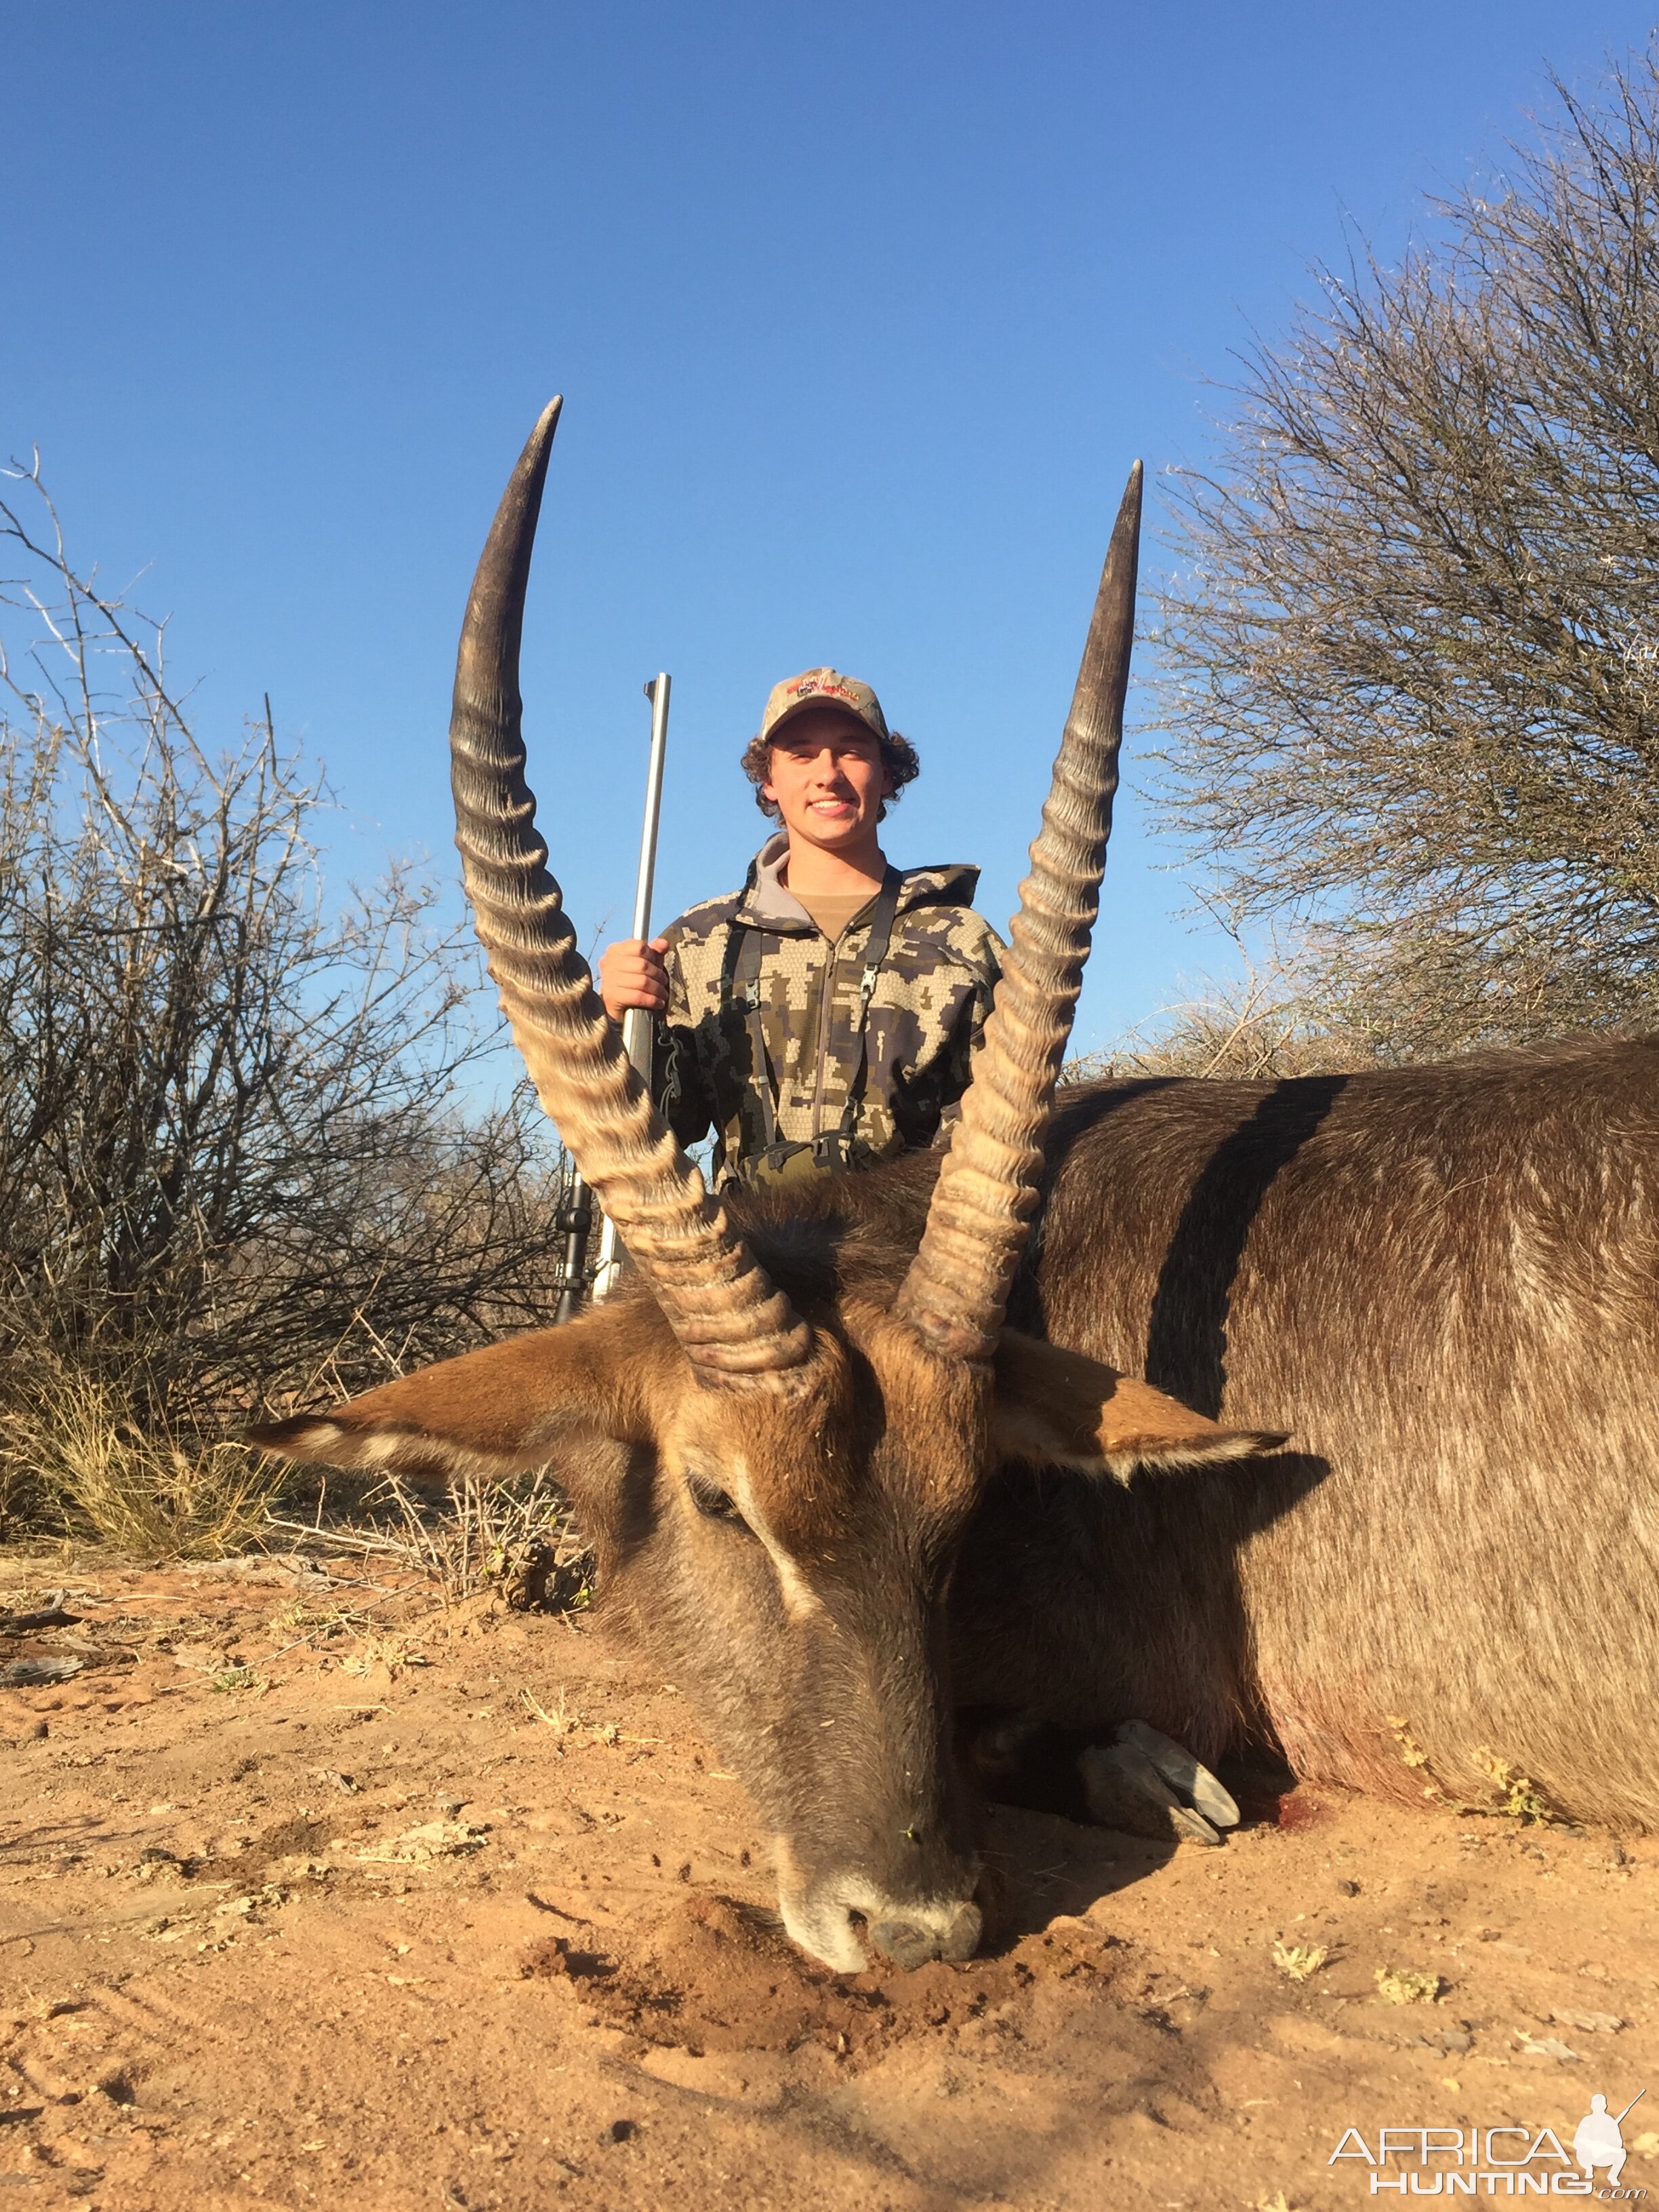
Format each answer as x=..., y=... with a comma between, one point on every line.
x=767, y=903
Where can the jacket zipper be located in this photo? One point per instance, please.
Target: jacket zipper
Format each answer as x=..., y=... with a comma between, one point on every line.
x=826, y=1005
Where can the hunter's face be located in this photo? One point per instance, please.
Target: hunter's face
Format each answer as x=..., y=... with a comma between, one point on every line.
x=827, y=779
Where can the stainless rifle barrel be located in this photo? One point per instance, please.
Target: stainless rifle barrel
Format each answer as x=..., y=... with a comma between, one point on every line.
x=636, y=1023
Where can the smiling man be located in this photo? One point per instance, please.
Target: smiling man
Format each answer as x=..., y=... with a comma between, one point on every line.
x=826, y=1014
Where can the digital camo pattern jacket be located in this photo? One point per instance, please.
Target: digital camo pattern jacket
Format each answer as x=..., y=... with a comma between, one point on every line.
x=926, y=1014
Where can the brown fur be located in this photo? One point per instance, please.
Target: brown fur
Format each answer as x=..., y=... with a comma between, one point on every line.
x=787, y=1550
x=1443, y=1277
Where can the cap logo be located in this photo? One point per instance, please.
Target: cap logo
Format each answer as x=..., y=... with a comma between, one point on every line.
x=797, y=692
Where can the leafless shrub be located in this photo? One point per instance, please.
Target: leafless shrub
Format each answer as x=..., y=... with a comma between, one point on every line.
x=238, y=1150
x=1411, y=662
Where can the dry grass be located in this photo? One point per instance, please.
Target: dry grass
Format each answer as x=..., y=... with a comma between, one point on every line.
x=570, y=1726
x=1403, y=1985
x=75, y=1463
x=76, y=1453
x=1300, y=1962
x=1521, y=1798
x=515, y=1540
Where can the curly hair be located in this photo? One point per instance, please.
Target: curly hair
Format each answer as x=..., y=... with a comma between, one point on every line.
x=898, y=757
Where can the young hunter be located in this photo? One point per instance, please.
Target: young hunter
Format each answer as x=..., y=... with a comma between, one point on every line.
x=825, y=1015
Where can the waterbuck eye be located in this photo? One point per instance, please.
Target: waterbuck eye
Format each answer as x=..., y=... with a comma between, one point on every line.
x=712, y=1501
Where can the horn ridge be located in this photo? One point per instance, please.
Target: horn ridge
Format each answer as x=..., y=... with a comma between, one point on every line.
x=956, y=1291
x=734, y=1326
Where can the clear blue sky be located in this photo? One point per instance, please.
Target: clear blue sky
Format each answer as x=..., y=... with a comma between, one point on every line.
x=861, y=315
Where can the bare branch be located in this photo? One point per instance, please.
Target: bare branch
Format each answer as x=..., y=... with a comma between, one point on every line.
x=239, y=1138
x=1411, y=660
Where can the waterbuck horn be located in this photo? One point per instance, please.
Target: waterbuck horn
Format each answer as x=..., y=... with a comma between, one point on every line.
x=956, y=1289
x=734, y=1326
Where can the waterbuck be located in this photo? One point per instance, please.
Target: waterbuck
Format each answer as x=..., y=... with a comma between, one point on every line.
x=842, y=1495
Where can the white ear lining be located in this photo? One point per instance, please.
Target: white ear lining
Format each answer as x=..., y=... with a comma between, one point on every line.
x=1022, y=1439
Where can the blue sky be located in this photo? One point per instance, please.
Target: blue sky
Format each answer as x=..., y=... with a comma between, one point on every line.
x=860, y=315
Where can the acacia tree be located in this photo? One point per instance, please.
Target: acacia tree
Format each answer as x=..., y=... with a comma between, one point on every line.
x=1411, y=653
x=238, y=1135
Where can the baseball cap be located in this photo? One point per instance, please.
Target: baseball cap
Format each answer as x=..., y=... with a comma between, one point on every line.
x=821, y=687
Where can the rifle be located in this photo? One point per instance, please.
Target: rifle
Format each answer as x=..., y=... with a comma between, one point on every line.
x=576, y=1217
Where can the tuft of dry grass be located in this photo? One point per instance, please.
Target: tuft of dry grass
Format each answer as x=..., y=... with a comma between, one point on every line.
x=1520, y=1799
x=94, y=1473
x=570, y=1726
x=1300, y=1962
x=1403, y=1985
x=515, y=1540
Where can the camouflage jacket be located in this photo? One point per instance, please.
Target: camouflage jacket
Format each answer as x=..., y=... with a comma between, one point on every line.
x=926, y=1013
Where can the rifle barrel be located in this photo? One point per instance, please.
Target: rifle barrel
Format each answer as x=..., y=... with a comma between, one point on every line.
x=637, y=1031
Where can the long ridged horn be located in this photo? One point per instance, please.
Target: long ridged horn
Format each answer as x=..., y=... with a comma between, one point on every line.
x=734, y=1325
x=957, y=1290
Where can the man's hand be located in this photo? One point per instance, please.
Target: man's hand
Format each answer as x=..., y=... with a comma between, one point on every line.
x=631, y=973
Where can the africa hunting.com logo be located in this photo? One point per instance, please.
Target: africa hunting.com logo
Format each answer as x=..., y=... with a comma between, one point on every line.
x=1499, y=2162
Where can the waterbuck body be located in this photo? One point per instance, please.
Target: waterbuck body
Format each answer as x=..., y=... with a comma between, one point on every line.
x=1447, y=1278
x=860, y=1456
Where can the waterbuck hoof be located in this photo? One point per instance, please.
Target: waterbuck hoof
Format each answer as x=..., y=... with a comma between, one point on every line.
x=1192, y=1781
x=909, y=1945
x=1151, y=1786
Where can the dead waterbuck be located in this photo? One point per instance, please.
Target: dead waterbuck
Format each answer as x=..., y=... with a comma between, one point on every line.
x=780, y=1435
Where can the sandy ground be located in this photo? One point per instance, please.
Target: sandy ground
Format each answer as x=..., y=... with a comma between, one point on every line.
x=311, y=1893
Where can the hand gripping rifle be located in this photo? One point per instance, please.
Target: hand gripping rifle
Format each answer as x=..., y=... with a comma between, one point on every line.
x=575, y=1217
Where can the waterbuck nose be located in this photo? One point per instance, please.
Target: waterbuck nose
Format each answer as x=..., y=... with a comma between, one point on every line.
x=909, y=1944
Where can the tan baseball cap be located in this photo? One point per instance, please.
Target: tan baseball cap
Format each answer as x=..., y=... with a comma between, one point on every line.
x=821, y=687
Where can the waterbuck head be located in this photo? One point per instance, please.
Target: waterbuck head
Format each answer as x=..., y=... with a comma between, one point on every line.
x=776, y=1435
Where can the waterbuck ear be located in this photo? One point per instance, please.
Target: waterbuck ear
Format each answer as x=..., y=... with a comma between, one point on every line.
x=1058, y=1406
x=500, y=1411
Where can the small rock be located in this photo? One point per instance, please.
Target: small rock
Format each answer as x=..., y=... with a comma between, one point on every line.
x=619, y=2131
x=1546, y=2046
x=1592, y=2023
